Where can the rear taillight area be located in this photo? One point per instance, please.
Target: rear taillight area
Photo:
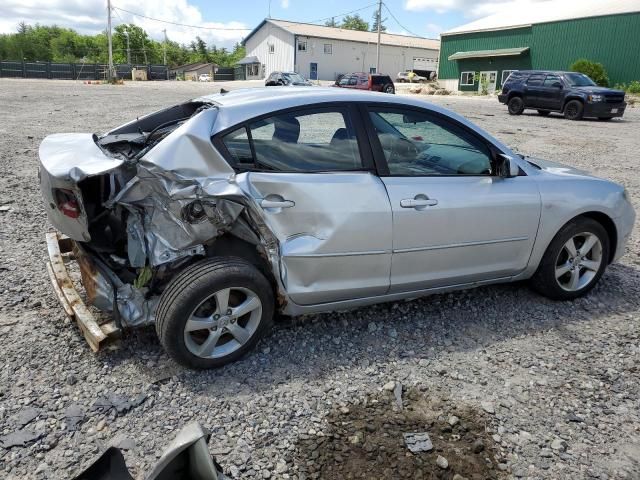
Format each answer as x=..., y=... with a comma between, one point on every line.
x=67, y=202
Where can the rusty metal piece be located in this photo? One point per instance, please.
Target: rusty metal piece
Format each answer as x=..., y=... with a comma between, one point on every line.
x=73, y=305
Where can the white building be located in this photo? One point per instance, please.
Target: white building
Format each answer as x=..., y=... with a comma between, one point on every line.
x=323, y=53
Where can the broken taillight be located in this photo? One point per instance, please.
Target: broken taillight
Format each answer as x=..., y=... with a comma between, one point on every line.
x=67, y=202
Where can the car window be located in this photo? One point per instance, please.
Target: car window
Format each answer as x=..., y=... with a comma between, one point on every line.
x=237, y=144
x=535, y=80
x=312, y=140
x=418, y=144
x=344, y=80
x=551, y=79
x=353, y=80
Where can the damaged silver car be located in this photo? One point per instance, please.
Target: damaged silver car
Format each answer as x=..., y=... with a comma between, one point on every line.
x=207, y=218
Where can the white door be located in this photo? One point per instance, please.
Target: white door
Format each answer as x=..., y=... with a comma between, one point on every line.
x=490, y=78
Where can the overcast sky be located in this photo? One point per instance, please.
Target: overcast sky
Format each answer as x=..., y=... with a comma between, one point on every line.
x=420, y=17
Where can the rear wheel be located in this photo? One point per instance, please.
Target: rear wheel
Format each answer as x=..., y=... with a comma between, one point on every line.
x=515, y=105
x=213, y=312
x=573, y=110
x=574, y=261
x=543, y=113
x=389, y=89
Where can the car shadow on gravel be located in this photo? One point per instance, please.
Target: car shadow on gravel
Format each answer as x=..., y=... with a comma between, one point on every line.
x=312, y=347
x=366, y=441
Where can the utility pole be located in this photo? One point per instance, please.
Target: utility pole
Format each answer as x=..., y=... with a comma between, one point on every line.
x=110, y=67
x=269, y=14
x=126, y=32
x=164, y=47
x=378, y=49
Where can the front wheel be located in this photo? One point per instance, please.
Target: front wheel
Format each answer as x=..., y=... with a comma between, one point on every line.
x=573, y=110
x=213, y=312
x=574, y=261
x=515, y=105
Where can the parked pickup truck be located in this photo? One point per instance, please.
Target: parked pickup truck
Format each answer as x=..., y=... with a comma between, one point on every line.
x=573, y=94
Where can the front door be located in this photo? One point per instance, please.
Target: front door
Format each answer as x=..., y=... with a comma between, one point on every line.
x=312, y=182
x=489, y=80
x=313, y=71
x=454, y=222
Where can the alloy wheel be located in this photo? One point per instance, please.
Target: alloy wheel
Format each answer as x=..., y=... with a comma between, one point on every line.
x=579, y=261
x=223, y=322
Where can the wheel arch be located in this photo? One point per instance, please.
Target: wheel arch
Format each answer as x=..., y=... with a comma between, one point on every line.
x=573, y=97
x=609, y=225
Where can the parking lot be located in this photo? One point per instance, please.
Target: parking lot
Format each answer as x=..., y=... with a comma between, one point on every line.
x=538, y=389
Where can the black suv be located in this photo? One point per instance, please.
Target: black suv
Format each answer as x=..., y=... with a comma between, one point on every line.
x=573, y=94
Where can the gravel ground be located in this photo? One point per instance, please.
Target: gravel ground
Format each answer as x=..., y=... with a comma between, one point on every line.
x=506, y=383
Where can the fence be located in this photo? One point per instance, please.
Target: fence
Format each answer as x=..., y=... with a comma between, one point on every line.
x=76, y=71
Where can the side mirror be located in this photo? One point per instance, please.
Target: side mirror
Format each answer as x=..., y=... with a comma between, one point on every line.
x=506, y=167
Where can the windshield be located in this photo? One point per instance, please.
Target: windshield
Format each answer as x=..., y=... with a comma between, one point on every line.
x=578, y=80
x=295, y=77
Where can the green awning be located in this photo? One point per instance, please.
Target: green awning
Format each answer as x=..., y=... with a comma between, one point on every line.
x=501, y=52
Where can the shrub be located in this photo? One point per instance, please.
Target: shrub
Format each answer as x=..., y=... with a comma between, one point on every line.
x=593, y=70
x=632, y=87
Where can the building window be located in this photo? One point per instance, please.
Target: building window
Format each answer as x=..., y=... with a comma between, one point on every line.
x=372, y=70
x=505, y=75
x=467, y=78
x=253, y=70
x=302, y=46
x=328, y=48
x=272, y=48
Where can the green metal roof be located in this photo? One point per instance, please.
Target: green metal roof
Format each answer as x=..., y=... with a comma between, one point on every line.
x=500, y=52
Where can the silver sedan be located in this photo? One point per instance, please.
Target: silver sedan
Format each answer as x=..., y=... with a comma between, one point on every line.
x=208, y=217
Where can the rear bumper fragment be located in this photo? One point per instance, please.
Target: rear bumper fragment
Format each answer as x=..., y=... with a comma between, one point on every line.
x=59, y=248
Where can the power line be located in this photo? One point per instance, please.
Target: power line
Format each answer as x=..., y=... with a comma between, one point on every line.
x=337, y=16
x=179, y=24
x=398, y=22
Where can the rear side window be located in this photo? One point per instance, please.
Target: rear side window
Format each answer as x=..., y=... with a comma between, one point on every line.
x=535, y=80
x=551, y=80
x=312, y=140
x=379, y=80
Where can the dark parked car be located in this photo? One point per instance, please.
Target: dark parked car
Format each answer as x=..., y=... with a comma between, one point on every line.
x=573, y=94
x=366, y=81
x=286, y=78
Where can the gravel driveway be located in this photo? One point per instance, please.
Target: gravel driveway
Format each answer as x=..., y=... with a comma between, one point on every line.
x=506, y=383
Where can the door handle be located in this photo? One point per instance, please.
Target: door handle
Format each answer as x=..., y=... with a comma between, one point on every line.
x=264, y=203
x=418, y=202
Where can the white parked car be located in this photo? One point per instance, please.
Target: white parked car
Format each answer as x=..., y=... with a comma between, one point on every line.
x=205, y=77
x=207, y=217
x=403, y=77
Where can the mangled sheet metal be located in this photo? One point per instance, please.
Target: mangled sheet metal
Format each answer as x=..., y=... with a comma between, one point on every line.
x=146, y=203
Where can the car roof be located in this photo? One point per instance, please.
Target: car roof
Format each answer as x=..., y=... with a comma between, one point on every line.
x=241, y=105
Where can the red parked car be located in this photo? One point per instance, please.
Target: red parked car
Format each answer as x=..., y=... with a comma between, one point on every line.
x=366, y=81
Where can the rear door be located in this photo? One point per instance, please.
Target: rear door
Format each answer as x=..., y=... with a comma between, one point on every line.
x=454, y=222
x=533, y=91
x=310, y=174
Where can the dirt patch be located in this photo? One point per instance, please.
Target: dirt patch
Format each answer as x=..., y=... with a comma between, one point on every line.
x=366, y=441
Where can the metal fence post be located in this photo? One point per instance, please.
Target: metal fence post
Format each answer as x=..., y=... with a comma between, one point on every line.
x=47, y=69
x=24, y=69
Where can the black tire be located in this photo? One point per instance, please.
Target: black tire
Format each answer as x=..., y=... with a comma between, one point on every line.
x=573, y=110
x=515, y=105
x=193, y=286
x=543, y=113
x=389, y=89
x=605, y=119
x=544, y=281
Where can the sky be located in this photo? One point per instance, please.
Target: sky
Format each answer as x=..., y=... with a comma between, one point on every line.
x=229, y=21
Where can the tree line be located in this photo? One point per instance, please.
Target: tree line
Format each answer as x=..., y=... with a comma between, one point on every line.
x=58, y=44
x=356, y=22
